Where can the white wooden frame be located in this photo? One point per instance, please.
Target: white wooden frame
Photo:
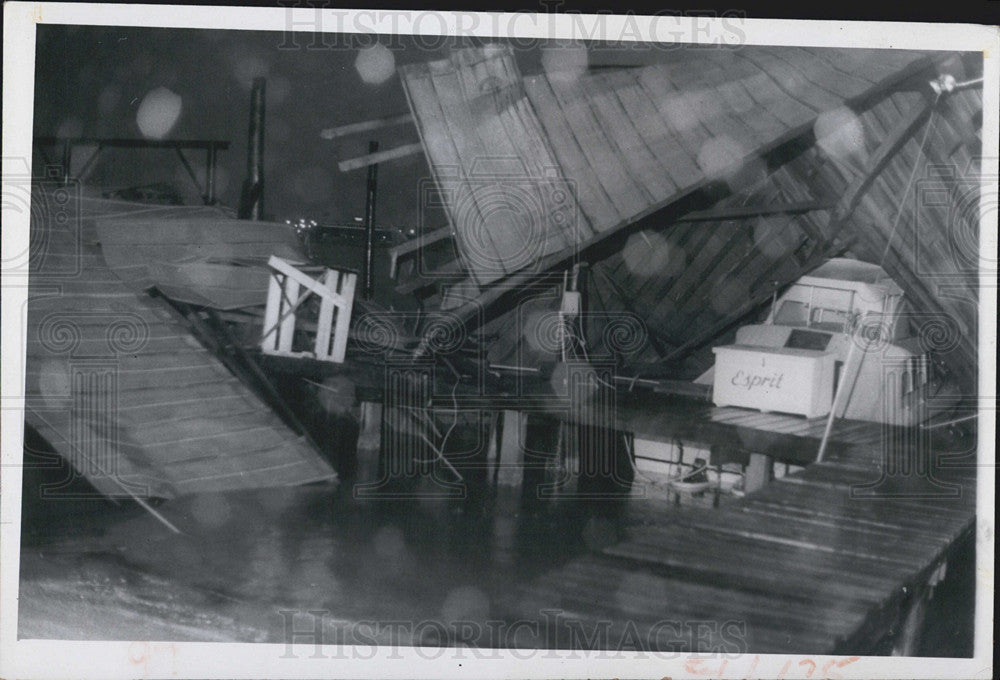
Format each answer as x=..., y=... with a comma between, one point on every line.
x=336, y=290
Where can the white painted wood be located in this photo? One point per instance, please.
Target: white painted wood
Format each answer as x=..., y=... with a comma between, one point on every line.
x=336, y=292
x=348, y=281
x=324, y=324
x=305, y=280
x=774, y=379
x=269, y=339
x=286, y=326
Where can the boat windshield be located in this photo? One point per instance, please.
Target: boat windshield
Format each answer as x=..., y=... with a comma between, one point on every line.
x=826, y=309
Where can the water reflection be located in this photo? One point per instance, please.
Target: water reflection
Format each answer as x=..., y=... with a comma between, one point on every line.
x=247, y=556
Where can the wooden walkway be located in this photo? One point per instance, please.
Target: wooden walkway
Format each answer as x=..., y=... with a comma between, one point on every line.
x=826, y=560
x=124, y=392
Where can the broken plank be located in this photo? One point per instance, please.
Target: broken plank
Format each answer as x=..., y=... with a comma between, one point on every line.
x=379, y=157
x=366, y=126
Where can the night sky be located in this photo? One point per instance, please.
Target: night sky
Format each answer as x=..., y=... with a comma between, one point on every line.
x=90, y=82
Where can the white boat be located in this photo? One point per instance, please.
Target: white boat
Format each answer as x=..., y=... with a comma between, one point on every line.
x=845, y=321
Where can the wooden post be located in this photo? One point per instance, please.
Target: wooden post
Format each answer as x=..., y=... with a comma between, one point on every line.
x=346, y=283
x=210, y=163
x=759, y=472
x=324, y=323
x=911, y=627
x=286, y=326
x=272, y=312
x=252, y=200
x=511, y=451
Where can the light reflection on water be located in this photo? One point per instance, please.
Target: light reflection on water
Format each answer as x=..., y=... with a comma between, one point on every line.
x=259, y=552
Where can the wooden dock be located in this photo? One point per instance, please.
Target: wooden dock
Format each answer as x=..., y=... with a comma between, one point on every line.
x=828, y=560
x=122, y=389
x=788, y=438
x=672, y=418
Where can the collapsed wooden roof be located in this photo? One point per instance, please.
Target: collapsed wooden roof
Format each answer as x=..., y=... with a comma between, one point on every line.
x=534, y=170
x=623, y=142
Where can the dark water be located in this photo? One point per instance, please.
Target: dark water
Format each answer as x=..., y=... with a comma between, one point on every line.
x=255, y=566
x=246, y=557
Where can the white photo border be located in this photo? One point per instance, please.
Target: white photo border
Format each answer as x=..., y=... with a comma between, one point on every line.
x=53, y=658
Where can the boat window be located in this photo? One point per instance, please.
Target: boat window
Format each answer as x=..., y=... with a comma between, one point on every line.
x=827, y=309
x=825, y=319
x=791, y=313
x=800, y=339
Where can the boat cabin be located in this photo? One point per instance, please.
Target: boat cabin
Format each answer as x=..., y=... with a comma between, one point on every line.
x=847, y=320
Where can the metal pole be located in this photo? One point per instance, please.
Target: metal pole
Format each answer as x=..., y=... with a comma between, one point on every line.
x=370, y=224
x=210, y=174
x=252, y=205
x=848, y=365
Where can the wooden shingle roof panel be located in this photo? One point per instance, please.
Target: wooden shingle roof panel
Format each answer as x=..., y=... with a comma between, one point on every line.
x=593, y=199
x=630, y=140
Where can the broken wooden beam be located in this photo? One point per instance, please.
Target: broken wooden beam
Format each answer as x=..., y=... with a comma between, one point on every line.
x=366, y=126
x=738, y=212
x=714, y=214
x=379, y=157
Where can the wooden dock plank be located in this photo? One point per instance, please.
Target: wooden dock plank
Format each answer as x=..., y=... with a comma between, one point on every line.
x=821, y=73
x=675, y=108
x=217, y=407
x=123, y=379
x=833, y=540
x=843, y=508
x=492, y=91
x=789, y=110
x=762, y=566
x=703, y=90
x=592, y=589
x=836, y=565
x=792, y=81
